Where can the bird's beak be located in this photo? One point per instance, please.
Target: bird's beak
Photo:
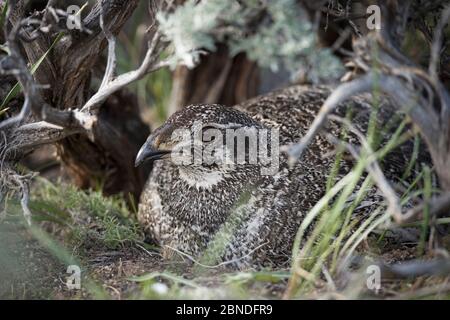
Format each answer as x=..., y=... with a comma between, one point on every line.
x=149, y=152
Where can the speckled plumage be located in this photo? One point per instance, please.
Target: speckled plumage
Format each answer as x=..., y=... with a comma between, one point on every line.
x=179, y=213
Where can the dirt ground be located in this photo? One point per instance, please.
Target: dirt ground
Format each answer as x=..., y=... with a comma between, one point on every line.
x=30, y=271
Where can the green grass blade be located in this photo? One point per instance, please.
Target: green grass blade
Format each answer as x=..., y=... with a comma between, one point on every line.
x=3, y=15
x=426, y=211
x=17, y=88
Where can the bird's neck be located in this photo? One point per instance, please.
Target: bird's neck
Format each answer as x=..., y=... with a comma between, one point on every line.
x=205, y=178
x=200, y=178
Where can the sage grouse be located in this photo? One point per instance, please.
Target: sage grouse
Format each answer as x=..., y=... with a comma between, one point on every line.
x=186, y=206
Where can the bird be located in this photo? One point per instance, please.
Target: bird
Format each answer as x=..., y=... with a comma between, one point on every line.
x=248, y=217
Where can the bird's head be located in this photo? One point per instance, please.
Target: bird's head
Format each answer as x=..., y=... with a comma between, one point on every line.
x=199, y=135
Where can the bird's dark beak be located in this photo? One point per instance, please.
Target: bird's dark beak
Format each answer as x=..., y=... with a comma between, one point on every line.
x=148, y=152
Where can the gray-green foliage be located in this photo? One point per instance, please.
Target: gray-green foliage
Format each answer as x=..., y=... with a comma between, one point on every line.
x=283, y=35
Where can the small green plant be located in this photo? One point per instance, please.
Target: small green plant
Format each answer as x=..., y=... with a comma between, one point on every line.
x=332, y=231
x=118, y=234
x=88, y=214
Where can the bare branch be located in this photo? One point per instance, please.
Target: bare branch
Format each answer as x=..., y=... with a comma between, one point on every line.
x=339, y=95
x=436, y=46
x=148, y=65
x=24, y=201
x=436, y=206
x=32, y=135
x=72, y=120
x=111, y=63
x=416, y=268
x=11, y=180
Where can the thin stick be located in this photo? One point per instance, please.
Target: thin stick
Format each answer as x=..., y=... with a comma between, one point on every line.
x=340, y=94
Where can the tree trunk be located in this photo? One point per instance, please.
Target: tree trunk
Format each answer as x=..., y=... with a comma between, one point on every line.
x=108, y=161
x=218, y=78
x=106, y=158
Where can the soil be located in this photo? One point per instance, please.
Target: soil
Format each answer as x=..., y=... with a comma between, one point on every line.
x=29, y=271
